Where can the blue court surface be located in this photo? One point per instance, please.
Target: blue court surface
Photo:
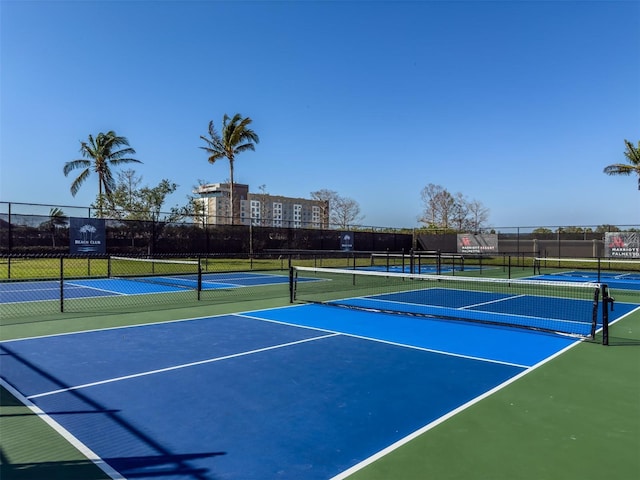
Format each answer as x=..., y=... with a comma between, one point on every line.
x=28, y=291
x=299, y=392
x=424, y=269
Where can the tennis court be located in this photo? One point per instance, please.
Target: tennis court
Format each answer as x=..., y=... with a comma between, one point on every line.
x=32, y=291
x=616, y=273
x=621, y=280
x=426, y=263
x=304, y=391
x=426, y=269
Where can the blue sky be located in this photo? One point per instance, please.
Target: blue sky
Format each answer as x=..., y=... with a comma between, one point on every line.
x=517, y=104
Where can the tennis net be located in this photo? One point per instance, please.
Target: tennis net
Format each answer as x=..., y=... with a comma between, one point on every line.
x=617, y=272
x=417, y=262
x=568, y=308
x=185, y=274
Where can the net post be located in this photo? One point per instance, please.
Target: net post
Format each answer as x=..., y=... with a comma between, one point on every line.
x=594, y=312
x=411, y=262
x=109, y=266
x=606, y=300
x=438, y=262
x=61, y=284
x=599, y=266
x=199, y=285
x=291, y=289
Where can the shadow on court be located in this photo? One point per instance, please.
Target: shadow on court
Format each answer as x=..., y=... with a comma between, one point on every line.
x=623, y=342
x=163, y=463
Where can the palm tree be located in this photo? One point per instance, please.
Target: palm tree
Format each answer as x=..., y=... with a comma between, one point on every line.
x=100, y=153
x=236, y=138
x=57, y=219
x=633, y=156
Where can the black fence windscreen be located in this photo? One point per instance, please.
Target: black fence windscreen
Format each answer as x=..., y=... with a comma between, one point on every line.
x=39, y=234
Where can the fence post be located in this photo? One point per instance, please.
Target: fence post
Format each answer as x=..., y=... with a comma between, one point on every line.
x=10, y=233
x=199, y=281
x=61, y=284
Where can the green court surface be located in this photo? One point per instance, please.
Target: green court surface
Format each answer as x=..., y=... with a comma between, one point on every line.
x=576, y=416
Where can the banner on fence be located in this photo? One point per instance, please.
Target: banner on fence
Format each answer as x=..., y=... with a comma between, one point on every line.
x=87, y=235
x=346, y=241
x=474, y=244
x=622, y=244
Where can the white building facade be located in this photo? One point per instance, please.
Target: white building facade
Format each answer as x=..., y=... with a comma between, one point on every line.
x=258, y=209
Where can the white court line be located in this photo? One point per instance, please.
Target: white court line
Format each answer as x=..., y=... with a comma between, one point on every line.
x=81, y=447
x=490, y=302
x=359, y=466
x=220, y=284
x=435, y=308
x=240, y=276
x=177, y=367
x=116, y=476
x=377, y=456
x=78, y=285
x=33, y=289
x=389, y=342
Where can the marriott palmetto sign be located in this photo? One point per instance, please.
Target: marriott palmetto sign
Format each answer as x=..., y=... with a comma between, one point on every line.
x=622, y=244
x=87, y=235
x=477, y=244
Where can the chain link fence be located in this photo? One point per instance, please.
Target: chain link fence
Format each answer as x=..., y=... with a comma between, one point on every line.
x=29, y=229
x=45, y=229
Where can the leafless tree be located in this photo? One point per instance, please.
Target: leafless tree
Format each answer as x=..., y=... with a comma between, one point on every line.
x=345, y=212
x=441, y=209
x=341, y=212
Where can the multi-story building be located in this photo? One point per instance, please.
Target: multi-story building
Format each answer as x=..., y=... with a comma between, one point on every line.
x=259, y=209
x=215, y=202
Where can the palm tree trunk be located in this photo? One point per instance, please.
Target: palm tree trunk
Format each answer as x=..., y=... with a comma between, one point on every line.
x=99, y=196
x=231, y=192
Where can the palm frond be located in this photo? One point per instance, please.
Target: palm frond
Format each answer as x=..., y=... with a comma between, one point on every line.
x=619, y=169
x=77, y=183
x=122, y=153
x=74, y=164
x=244, y=147
x=89, y=149
x=120, y=161
x=632, y=153
x=215, y=156
x=108, y=182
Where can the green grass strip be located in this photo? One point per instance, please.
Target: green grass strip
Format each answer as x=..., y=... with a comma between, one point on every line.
x=575, y=417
